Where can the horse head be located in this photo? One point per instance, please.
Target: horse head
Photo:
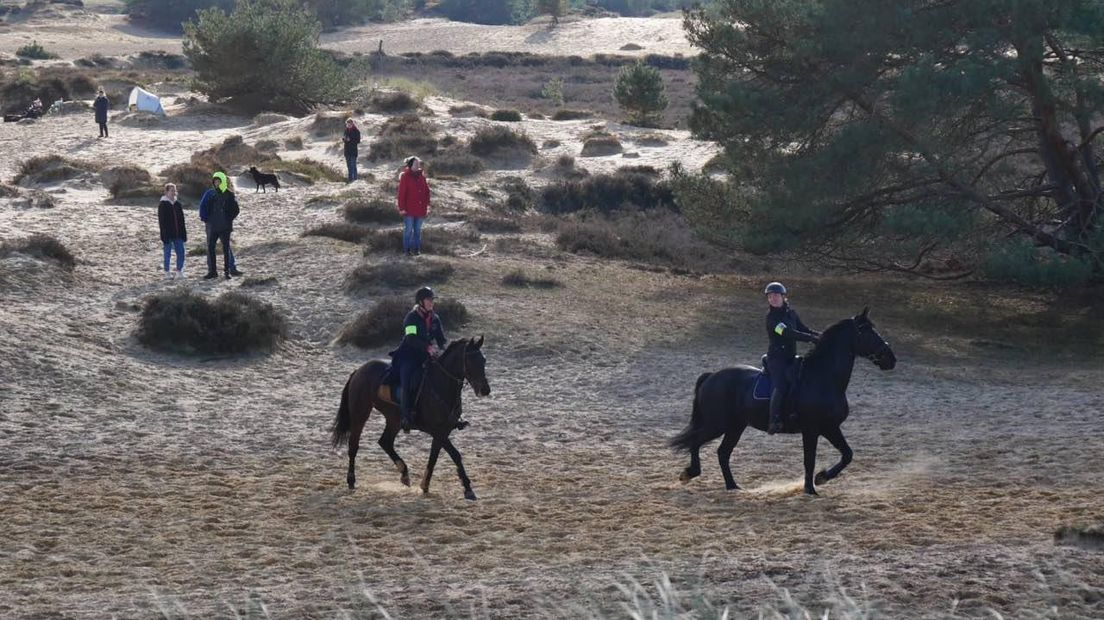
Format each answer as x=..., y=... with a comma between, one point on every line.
x=870, y=343
x=475, y=367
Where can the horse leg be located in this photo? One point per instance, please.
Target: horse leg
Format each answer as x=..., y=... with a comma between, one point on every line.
x=354, y=446
x=694, y=469
x=434, y=450
x=724, y=452
x=835, y=436
x=387, y=442
x=455, y=454
x=809, y=443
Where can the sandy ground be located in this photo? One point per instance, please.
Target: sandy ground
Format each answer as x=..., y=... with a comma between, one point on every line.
x=101, y=29
x=138, y=484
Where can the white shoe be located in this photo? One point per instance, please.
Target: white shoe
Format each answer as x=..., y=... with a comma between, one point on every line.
x=168, y=275
x=180, y=274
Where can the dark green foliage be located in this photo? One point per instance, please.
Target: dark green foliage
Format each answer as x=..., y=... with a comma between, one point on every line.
x=1020, y=262
x=499, y=141
x=170, y=15
x=509, y=116
x=493, y=12
x=371, y=211
x=398, y=274
x=553, y=8
x=454, y=163
x=639, y=91
x=890, y=133
x=403, y=136
x=180, y=321
x=227, y=51
x=571, y=115
x=379, y=326
x=520, y=279
x=606, y=193
x=342, y=231
x=42, y=247
x=645, y=8
x=34, y=51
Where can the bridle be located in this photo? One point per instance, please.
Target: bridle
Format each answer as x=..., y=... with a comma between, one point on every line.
x=876, y=356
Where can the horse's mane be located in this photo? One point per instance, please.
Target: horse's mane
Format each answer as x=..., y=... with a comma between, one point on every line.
x=452, y=345
x=827, y=338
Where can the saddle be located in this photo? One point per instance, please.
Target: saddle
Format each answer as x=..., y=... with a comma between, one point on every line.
x=762, y=389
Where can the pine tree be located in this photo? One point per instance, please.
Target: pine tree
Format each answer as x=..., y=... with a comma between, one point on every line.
x=640, y=92
x=881, y=133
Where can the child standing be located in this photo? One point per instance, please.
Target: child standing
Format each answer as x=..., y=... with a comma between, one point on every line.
x=170, y=218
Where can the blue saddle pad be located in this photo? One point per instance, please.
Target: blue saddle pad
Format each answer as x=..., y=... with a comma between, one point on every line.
x=762, y=389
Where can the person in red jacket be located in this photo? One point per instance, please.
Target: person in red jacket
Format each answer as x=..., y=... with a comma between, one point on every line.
x=413, y=201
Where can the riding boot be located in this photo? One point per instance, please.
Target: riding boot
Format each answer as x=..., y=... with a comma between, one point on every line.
x=775, y=424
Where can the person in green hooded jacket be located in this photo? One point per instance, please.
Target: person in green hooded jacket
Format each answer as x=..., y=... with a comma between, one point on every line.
x=218, y=212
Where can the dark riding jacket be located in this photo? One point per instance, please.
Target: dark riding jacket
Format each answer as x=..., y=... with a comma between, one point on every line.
x=784, y=329
x=420, y=331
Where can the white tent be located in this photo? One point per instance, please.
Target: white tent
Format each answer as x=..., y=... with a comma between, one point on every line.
x=144, y=101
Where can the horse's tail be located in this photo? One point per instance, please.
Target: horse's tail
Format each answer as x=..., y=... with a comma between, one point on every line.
x=688, y=439
x=341, y=423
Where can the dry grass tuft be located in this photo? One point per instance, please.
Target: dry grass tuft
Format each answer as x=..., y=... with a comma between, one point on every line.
x=181, y=321
x=42, y=247
x=341, y=231
x=397, y=274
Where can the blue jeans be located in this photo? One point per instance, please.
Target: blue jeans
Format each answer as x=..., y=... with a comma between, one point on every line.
x=178, y=245
x=351, y=162
x=412, y=234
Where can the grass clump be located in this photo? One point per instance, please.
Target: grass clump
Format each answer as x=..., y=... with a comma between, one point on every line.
x=453, y=313
x=454, y=163
x=488, y=224
x=191, y=179
x=508, y=116
x=378, y=326
x=341, y=231
x=625, y=189
x=518, y=278
x=311, y=169
x=52, y=168
x=129, y=182
x=362, y=210
x=440, y=241
x=571, y=115
x=392, y=102
x=397, y=275
x=329, y=123
x=661, y=238
x=42, y=247
x=519, y=196
x=402, y=136
x=502, y=142
x=599, y=144
x=181, y=321
x=34, y=51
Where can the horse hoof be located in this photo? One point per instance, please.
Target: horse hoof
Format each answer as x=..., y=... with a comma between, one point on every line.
x=821, y=478
x=810, y=491
x=734, y=487
x=405, y=479
x=352, y=484
x=469, y=495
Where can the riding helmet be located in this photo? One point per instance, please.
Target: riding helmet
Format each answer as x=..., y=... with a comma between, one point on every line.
x=774, y=287
x=423, y=294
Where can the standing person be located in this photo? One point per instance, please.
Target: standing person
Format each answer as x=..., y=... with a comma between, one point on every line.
x=413, y=201
x=100, y=106
x=218, y=213
x=421, y=330
x=784, y=329
x=352, y=142
x=170, y=219
x=203, y=202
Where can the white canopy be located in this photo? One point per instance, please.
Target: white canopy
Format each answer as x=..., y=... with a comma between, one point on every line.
x=144, y=101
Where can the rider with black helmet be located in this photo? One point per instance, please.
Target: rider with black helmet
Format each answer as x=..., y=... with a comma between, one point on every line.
x=784, y=328
x=421, y=330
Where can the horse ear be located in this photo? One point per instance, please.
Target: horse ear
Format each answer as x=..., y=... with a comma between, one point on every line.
x=865, y=312
x=478, y=344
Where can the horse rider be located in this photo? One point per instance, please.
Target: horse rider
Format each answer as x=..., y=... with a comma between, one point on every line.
x=423, y=338
x=784, y=328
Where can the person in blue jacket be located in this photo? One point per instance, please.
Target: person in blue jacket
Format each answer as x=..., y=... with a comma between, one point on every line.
x=422, y=330
x=218, y=211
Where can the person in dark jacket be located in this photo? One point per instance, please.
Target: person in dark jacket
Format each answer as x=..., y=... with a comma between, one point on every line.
x=352, y=142
x=413, y=199
x=203, y=202
x=170, y=219
x=100, y=106
x=218, y=213
x=422, y=330
x=784, y=329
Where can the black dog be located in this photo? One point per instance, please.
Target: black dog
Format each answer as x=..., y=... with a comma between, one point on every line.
x=262, y=179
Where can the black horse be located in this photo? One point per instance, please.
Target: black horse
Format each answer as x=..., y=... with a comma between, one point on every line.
x=436, y=412
x=725, y=402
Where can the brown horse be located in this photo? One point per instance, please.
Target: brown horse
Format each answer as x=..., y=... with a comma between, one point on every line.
x=436, y=409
